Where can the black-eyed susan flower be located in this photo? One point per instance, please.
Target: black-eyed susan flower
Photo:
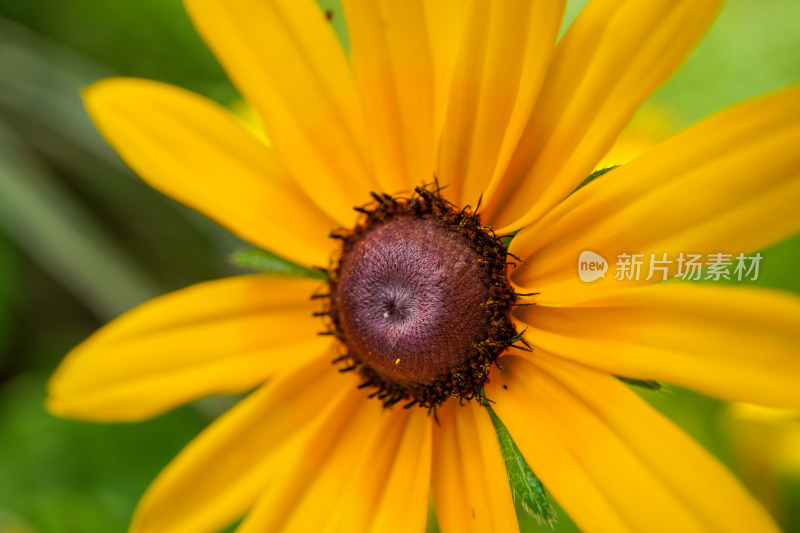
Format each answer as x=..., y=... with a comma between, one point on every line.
x=423, y=303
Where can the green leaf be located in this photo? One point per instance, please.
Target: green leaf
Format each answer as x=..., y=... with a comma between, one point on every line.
x=265, y=261
x=525, y=486
x=648, y=384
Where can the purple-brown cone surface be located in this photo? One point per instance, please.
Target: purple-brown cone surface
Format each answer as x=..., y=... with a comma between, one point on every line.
x=411, y=295
x=420, y=300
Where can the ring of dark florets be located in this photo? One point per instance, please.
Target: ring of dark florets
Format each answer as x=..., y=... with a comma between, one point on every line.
x=465, y=381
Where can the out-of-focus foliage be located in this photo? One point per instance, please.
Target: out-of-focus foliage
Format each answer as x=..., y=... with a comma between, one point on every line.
x=82, y=239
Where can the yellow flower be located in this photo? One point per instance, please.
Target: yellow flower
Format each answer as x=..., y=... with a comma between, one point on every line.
x=479, y=94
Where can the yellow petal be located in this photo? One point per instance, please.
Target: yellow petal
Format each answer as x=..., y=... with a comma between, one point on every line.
x=390, y=489
x=444, y=19
x=729, y=184
x=733, y=343
x=611, y=461
x=286, y=60
x=405, y=497
x=197, y=153
x=361, y=490
x=650, y=125
x=613, y=56
x=470, y=484
x=216, y=337
x=504, y=49
x=392, y=63
x=220, y=474
x=335, y=486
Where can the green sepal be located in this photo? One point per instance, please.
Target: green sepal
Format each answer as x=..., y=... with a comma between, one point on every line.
x=264, y=261
x=593, y=176
x=507, y=238
x=648, y=384
x=525, y=486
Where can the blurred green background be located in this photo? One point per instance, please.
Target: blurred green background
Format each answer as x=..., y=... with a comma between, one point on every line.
x=82, y=240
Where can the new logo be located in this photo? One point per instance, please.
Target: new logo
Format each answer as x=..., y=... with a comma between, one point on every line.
x=591, y=266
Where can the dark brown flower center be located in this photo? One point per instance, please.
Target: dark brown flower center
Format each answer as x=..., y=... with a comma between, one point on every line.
x=420, y=300
x=410, y=299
